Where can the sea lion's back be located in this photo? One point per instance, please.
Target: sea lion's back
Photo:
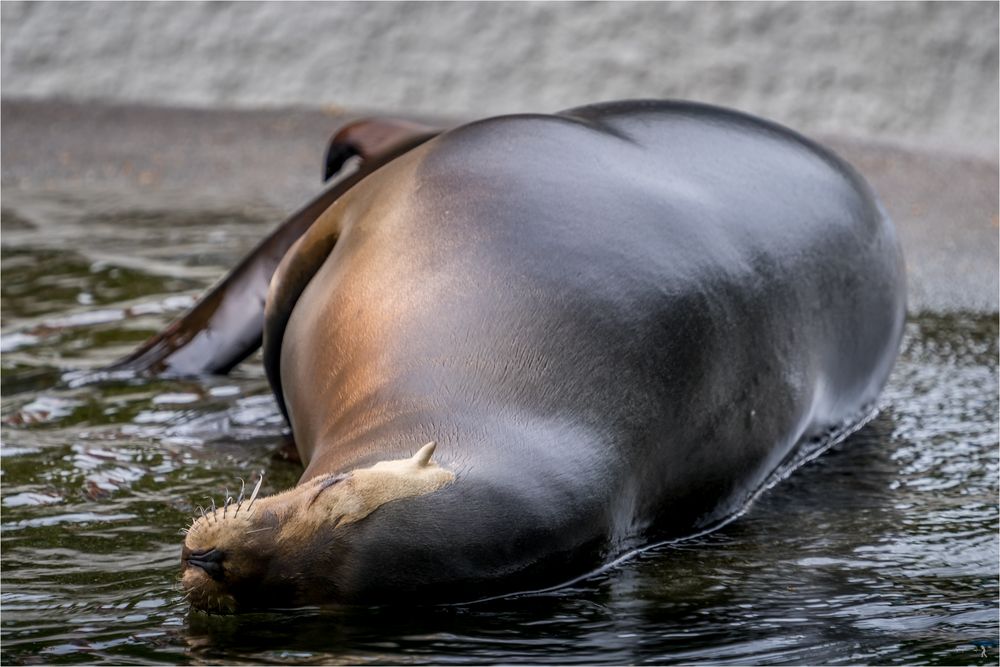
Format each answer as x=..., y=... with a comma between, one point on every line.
x=628, y=256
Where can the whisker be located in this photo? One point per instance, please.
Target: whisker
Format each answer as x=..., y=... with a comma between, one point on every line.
x=226, y=504
x=257, y=530
x=256, y=490
x=239, y=501
x=214, y=516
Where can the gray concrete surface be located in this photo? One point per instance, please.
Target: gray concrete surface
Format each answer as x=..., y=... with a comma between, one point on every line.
x=920, y=72
x=133, y=158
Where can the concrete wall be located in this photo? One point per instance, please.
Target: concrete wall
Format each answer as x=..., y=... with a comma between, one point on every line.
x=921, y=73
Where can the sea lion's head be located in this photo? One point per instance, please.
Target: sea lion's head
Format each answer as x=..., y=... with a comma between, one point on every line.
x=283, y=550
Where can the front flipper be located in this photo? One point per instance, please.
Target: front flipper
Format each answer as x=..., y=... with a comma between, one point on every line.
x=226, y=325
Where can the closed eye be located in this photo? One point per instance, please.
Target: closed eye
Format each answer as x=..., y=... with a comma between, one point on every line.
x=325, y=484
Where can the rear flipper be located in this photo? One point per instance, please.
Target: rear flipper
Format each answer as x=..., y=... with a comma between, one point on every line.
x=225, y=326
x=372, y=139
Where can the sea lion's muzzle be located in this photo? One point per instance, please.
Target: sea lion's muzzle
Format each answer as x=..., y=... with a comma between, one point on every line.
x=209, y=560
x=283, y=550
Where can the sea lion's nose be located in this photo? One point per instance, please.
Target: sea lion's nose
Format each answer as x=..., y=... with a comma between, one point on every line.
x=209, y=560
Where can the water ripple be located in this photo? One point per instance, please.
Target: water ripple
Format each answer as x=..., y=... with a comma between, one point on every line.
x=882, y=550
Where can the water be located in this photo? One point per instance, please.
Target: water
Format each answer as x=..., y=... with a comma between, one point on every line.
x=884, y=550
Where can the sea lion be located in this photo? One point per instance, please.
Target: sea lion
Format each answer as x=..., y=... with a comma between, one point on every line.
x=614, y=322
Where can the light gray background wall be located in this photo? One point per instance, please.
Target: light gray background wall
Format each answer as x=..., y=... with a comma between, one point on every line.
x=920, y=73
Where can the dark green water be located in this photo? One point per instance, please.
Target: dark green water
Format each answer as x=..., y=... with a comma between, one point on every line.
x=884, y=550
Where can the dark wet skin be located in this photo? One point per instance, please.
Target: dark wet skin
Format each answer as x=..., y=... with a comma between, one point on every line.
x=615, y=322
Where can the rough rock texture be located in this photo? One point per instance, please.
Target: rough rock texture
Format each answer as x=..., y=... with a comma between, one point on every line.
x=921, y=72
x=132, y=159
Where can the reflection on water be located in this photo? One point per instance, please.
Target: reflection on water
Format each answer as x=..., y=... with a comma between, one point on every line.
x=883, y=550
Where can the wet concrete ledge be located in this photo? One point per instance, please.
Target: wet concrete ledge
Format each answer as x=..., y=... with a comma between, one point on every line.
x=155, y=158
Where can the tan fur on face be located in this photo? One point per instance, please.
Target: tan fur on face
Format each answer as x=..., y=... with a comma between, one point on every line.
x=367, y=489
x=289, y=520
